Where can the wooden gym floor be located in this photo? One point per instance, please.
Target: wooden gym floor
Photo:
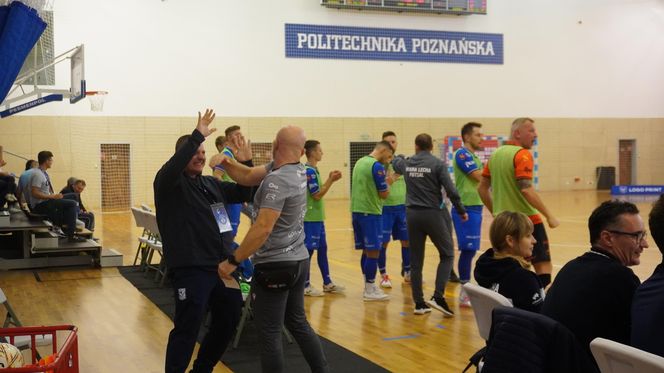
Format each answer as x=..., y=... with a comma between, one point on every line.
x=121, y=330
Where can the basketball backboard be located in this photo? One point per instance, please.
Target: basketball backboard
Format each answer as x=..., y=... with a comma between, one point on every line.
x=77, y=88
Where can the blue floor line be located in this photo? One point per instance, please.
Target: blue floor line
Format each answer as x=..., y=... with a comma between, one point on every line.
x=409, y=336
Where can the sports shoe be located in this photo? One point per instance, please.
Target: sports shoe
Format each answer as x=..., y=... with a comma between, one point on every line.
x=454, y=278
x=76, y=239
x=333, y=288
x=464, y=299
x=373, y=293
x=406, y=277
x=311, y=291
x=441, y=305
x=385, y=282
x=421, y=308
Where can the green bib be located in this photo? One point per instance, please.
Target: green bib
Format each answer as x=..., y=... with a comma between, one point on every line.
x=397, y=195
x=466, y=185
x=229, y=153
x=315, y=209
x=364, y=195
x=506, y=193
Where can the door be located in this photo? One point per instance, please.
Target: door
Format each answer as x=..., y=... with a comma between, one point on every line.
x=358, y=149
x=627, y=162
x=115, y=177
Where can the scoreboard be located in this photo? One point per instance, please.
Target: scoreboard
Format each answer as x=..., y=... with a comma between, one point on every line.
x=423, y=6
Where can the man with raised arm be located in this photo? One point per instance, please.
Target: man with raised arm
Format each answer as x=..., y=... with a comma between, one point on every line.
x=276, y=241
x=197, y=236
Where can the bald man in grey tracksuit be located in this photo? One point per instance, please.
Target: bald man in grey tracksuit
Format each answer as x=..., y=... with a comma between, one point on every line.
x=425, y=175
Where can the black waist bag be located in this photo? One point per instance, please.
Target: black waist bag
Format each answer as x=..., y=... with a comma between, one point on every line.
x=279, y=276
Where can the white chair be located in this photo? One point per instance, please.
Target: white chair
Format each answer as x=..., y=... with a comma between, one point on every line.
x=155, y=245
x=142, y=248
x=21, y=342
x=614, y=357
x=484, y=301
x=10, y=318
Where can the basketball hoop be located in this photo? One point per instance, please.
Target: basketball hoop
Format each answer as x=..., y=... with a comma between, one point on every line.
x=96, y=99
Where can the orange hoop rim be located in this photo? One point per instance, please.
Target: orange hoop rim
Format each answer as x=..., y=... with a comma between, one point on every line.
x=92, y=93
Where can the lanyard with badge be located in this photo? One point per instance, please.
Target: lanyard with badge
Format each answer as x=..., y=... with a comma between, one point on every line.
x=218, y=209
x=223, y=222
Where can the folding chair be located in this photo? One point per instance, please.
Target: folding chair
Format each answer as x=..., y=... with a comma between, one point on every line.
x=614, y=357
x=155, y=245
x=21, y=342
x=11, y=318
x=247, y=314
x=142, y=248
x=483, y=301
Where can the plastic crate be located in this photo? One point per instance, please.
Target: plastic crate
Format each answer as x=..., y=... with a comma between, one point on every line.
x=66, y=359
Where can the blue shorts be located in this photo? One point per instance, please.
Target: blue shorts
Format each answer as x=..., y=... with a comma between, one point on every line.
x=368, y=231
x=394, y=223
x=468, y=232
x=314, y=235
x=234, y=210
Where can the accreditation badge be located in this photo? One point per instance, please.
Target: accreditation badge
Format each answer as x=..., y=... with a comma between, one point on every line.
x=221, y=216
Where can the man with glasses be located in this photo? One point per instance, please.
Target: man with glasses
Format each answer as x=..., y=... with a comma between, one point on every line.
x=592, y=294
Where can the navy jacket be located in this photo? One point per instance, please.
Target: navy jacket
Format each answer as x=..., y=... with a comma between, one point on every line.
x=189, y=231
x=648, y=314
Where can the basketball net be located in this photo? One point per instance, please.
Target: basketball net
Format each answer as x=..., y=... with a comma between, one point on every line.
x=96, y=99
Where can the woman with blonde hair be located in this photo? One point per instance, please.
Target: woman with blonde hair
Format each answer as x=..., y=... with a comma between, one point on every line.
x=505, y=268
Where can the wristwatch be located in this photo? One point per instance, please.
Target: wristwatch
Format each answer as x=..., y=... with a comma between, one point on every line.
x=231, y=260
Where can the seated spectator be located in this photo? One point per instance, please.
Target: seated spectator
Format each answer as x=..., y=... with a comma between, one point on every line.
x=24, y=190
x=43, y=201
x=7, y=185
x=648, y=304
x=73, y=191
x=504, y=268
x=592, y=294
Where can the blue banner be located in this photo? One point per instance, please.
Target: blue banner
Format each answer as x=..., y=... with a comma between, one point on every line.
x=30, y=105
x=621, y=190
x=361, y=43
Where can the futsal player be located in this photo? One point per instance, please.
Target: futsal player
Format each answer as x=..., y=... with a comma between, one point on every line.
x=314, y=226
x=507, y=185
x=467, y=175
x=369, y=187
x=234, y=209
x=394, y=220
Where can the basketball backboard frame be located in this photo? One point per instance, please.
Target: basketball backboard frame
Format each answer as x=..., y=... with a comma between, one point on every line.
x=77, y=68
x=17, y=99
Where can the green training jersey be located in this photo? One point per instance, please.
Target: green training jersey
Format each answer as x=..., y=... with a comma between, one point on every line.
x=465, y=162
x=229, y=153
x=367, y=174
x=397, y=195
x=504, y=169
x=315, y=209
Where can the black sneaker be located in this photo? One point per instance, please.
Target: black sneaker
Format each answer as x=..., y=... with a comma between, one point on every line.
x=421, y=308
x=454, y=278
x=76, y=239
x=441, y=305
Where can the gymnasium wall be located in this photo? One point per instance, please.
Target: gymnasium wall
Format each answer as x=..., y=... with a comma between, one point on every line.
x=588, y=71
x=563, y=59
x=569, y=148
